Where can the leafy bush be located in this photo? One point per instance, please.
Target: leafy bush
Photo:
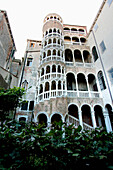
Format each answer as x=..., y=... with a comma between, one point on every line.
x=24, y=146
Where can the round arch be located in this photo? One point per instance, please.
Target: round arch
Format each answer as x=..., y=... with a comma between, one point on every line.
x=57, y=113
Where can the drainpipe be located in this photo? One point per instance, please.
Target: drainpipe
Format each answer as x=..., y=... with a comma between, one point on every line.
x=103, y=68
x=23, y=68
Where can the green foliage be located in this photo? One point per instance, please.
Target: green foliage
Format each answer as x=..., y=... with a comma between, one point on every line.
x=24, y=146
x=10, y=99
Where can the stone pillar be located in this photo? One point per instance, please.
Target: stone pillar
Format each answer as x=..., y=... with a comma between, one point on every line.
x=107, y=121
x=80, y=118
x=93, y=118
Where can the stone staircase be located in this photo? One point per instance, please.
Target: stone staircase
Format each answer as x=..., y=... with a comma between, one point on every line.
x=75, y=121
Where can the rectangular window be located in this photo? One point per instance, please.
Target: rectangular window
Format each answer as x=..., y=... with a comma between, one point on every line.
x=24, y=105
x=111, y=75
x=31, y=105
x=29, y=61
x=109, y=2
x=102, y=46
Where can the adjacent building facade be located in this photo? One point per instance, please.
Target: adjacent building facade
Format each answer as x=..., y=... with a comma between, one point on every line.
x=61, y=78
x=100, y=39
x=9, y=66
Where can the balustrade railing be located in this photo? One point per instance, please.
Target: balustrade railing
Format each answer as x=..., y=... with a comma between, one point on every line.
x=73, y=120
x=68, y=93
x=52, y=58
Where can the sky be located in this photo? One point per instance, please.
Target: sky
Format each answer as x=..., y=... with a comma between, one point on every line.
x=26, y=17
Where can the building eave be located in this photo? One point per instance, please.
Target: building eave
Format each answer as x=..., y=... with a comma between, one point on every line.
x=97, y=16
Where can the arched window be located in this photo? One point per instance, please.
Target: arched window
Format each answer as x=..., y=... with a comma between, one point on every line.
x=53, y=85
x=42, y=72
x=71, y=83
x=92, y=82
x=59, y=69
x=110, y=113
x=67, y=38
x=82, y=84
x=49, y=53
x=54, y=40
x=49, y=42
x=47, y=86
x=73, y=110
x=87, y=56
x=99, y=116
x=50, y=31
x=83, y=40
x=68, y=55
x=22, y=119
x=73, y=29
x=41, y=89
x=54, y=52
x=66, y=29
x=75, y=39
x=58, y=52
x=78, y=56
x=95, y=54
x=86, y=114
x=59, y=85
x=42, y=119
x=54, y=30
x=47, y=69
x=53, y=68
x=101, y=80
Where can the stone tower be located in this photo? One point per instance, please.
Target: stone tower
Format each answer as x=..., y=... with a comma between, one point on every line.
x=63, y=77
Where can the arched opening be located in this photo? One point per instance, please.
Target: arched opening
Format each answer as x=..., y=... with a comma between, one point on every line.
x=56, y=118
x=59, y=69
x=47, y=69
x=53, y=68
x=41, y=89
x=67, y=38
x=54, y=40
x=73, y=29
x=46, y=32
x=22, y=119
x=42, y=119
x=44, y=55
x=101, y=80
x=49, y=41
x=47, y=86
x=53, y=85
x=92, y=82
x=59, y=85
x=81, y=30
x=87, y=56
x=45, y=43
x=71, y=83
x=66, y=29
x=73, y=110
x=68, y=55
x=54, y=52
x=75, y=39
x=58, y=52
x=50, y=31
x=82, y=84
x=42, y=72
x=83, y=40
x=110, y=113
x=99, y=116
x=94, y=52
x=54, y=30
x=58, y=41
x=86, y=114
x=49, y=53
x=77, y=56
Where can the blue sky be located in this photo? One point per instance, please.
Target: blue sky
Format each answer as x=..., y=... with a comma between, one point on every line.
x=26, y=17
